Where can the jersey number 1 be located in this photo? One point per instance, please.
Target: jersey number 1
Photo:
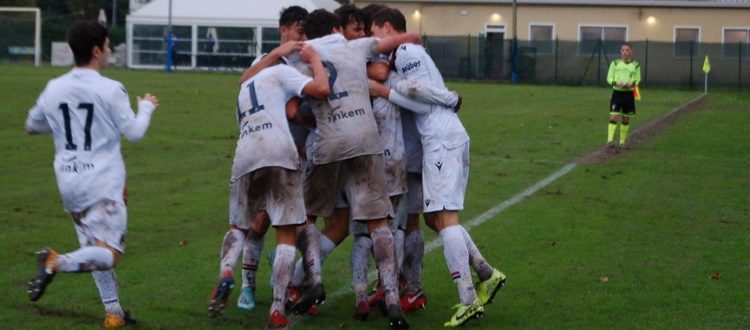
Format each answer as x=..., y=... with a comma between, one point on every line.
x=89, y=107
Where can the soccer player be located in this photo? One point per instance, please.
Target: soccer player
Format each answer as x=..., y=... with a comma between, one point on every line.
x=445, y=168
x=265, y=171
x=346, y=153
x=291, y=38
x=86, y=113
x=624, y=75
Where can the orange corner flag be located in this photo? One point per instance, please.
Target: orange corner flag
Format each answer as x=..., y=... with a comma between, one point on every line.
x=636, y=93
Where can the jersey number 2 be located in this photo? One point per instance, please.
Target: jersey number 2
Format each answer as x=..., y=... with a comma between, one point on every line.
x=89, y=107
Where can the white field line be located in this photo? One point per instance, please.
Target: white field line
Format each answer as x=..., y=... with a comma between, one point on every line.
x=482, y=218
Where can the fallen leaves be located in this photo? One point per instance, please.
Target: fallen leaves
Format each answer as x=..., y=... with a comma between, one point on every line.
x=715, y=276
x=603, y=279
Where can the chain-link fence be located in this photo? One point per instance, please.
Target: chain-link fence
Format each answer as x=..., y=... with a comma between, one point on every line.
x=586, y=63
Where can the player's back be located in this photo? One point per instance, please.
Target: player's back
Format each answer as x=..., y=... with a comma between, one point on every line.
x=265, y=139
x=345, y=124
x=80, y=109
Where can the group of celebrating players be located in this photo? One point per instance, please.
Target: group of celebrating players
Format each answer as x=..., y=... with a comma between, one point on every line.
x=348, y=120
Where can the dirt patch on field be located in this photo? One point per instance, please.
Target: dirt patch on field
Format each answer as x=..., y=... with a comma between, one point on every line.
x=643, y=133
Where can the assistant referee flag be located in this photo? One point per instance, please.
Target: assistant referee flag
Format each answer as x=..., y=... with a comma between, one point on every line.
x=706, y=65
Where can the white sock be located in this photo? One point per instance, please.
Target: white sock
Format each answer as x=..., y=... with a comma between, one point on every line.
x=85, y=259
x=481, y=267
x=310, y=242
x=360, y=261
x=230, y=249
x=251, y=257
x=282, y=270
x=457, y=259
x=413, y=254
x=106, y=282
x=385, y=258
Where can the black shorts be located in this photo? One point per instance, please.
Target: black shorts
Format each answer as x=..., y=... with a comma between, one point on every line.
x=622, y=102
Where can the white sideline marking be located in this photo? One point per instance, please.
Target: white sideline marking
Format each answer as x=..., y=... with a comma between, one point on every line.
x=482, y=218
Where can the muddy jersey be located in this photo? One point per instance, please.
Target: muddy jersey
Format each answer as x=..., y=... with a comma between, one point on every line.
x=86, y=113
x=264, y=137
x=388, y=119
x=345, y=124
x=440, y=126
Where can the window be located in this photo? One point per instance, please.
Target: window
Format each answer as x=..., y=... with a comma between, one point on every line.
x=736, y=41
x=541, y=37
x=686, y=41
x=271, y=39
x=594, y=38
x=224, y=47
x=150, y=44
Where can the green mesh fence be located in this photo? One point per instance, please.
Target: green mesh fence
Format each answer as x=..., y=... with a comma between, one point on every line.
x=586, y=63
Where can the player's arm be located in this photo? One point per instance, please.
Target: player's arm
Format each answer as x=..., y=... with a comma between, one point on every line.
x=636, y=74
x=133, y=126
x=611, y=74
x=317, y=88
x=378, y=71
x=379, y=90
x=36, y=123
x=423, y=92
x=271, y=59
x=388, y=44
x=292, y=111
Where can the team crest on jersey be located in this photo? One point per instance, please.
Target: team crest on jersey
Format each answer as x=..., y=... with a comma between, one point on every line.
x=427, y=202
x=439, y=166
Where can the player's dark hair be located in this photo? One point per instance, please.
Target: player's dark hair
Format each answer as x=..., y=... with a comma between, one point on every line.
x=349, y=14
x=626, y=44
x=369, y=12
x=320, y=23
x=82, y=38
x=390, y=15
x=291, y=15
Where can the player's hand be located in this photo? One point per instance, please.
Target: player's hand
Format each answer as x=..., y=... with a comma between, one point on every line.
x=308, y=54
x=620, y=84
x=377, y=89
x=414, y=38
x=289, y=47
x=458, y=104
x=150, y=98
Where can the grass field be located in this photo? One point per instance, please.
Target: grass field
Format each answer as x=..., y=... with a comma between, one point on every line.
x=658, y=238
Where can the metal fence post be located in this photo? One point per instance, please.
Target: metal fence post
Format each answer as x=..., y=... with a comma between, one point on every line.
x=739, y=65
x=557, y=51
x=645, y=67
x=599, y=64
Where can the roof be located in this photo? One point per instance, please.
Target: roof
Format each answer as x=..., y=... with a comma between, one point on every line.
x=222, y=12
x=628, y=3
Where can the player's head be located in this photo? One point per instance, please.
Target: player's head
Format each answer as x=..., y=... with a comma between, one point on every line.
x=291, y=20
x=370, y=11
x=626, y=51
x=89, y=42
x=388, y=21
x=351, y=21
x=321, y=23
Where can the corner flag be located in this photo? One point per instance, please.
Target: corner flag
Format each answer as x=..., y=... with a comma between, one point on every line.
x=706, y=65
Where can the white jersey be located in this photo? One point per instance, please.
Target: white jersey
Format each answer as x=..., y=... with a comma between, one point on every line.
x=388, y=119
x=264, y=138
x=441, y=126
x=86, y=113
x=345, y=124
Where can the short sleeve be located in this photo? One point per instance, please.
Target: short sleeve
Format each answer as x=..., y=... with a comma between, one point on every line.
x=410, y=62
x=293, y=81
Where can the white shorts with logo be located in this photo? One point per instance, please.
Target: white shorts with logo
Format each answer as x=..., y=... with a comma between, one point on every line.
x=104, y=222
x=274, y=189
x=445, y=173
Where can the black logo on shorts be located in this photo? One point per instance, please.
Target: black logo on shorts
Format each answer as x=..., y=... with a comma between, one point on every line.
x=427, y=202
x=439, y=165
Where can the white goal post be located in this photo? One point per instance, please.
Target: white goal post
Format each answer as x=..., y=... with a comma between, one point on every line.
x=37, y=29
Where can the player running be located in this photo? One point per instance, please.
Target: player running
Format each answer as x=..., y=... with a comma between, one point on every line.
x=86, y=113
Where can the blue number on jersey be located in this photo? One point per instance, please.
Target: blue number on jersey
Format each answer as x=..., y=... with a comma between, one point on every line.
x=254, y=106
x=69, y=145
x=332, y=75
